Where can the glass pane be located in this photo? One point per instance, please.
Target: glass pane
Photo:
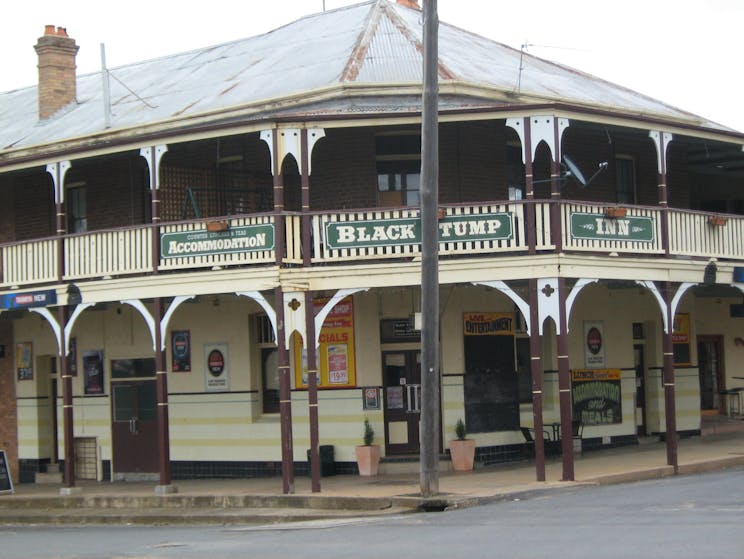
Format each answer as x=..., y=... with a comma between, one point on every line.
x=123, y=402
x=146, y=402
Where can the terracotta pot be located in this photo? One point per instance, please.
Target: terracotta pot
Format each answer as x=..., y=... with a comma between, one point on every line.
x=717, y=220
x=215, y=226
x=368, y=459
x=613, y=213
x=463, y=454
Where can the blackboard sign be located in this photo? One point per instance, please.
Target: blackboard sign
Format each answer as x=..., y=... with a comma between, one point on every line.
x=491, y=387
x=597, y=396
x=6, y=484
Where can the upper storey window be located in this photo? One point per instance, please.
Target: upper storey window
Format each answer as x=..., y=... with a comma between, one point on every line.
x=398, y=169
x=77, y=208
x=625, y=180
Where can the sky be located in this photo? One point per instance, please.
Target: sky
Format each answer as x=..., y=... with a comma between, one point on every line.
x=686, y=53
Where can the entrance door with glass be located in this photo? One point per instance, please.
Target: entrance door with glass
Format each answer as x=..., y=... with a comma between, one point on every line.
x=402, y=384
x=134, y=427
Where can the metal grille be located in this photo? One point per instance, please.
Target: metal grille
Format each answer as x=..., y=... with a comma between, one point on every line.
x=86, y=457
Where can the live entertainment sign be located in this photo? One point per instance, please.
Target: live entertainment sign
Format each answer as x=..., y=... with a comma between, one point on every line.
x=407, y=231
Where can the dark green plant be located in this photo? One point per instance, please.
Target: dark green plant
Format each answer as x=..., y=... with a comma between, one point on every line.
x=369, y=433
x=460, y=430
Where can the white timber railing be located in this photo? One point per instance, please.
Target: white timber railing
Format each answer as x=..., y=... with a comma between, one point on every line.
x=101, y=254
x=29, y=262
x=706, y=235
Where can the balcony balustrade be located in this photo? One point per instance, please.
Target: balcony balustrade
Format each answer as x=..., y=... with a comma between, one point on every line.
x=367, y=235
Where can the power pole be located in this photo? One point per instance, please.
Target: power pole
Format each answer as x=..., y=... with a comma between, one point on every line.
x=429, y=453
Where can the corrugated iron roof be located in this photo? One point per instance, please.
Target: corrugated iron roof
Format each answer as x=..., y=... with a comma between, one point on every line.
x=376, y=42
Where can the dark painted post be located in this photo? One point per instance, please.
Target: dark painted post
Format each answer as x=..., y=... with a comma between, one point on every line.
x=312, y=392
x=564, y=385
x=555, y=191
x=285, y=396
x=279, y=232
x=429, y=451
x=67, y=412
x=670, y=407
x=537, y=383
x=662, y=140
x=305, y=185
x=529, y=188
x=161, y=387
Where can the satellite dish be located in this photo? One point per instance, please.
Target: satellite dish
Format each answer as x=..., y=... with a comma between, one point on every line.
x=572, y=170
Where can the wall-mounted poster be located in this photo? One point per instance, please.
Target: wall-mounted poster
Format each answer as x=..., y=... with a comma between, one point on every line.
x=216, y=369
x=93, y=371
x=25, y=360
x=181, y=351
x=371, y=398
x=594, y=357
x=681, y=339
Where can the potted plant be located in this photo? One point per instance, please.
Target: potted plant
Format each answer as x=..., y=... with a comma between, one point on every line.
x=717, y=220
x=368, y=454
x=615, y=211
x=462, y=449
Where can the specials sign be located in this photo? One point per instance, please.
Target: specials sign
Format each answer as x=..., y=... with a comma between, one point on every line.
x=407, y=231
x=249, y=238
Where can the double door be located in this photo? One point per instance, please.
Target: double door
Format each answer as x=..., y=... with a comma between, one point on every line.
x=402, y=385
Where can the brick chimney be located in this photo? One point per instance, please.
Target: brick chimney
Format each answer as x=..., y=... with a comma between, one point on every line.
x=57, y=80
x=410, y=4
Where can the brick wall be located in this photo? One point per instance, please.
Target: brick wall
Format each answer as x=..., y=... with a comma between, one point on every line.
x=33, y=205
x=8, y=413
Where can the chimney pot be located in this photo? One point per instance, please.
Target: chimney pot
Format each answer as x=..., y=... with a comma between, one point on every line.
x=49, y=30
x=62, y=31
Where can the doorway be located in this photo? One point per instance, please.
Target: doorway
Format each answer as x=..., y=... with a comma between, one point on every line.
x=640, y=382
x=134, y=428
x=402, y=386
x=711, y=373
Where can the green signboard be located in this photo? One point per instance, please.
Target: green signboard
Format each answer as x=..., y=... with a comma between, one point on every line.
x=599, y=227
x=249, y=238
x=407, y=231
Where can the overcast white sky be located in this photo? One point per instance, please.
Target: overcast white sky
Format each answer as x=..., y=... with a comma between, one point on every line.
x=686, y=53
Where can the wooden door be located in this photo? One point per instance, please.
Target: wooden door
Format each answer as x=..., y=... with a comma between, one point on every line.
x=134, y=427
x=402, y=385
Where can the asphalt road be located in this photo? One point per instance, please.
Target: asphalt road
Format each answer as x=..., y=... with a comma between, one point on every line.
x=687, y=517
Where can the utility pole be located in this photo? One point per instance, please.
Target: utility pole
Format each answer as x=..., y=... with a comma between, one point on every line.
x=429, y=453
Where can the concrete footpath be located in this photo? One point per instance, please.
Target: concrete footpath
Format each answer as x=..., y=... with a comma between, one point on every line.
x=260, y=501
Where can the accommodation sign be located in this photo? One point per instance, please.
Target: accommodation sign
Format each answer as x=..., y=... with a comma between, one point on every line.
x=407, y=231
x=598, y=227
x=249, y=238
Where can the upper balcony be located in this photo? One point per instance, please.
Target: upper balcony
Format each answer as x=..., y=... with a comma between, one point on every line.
x=217, y=201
